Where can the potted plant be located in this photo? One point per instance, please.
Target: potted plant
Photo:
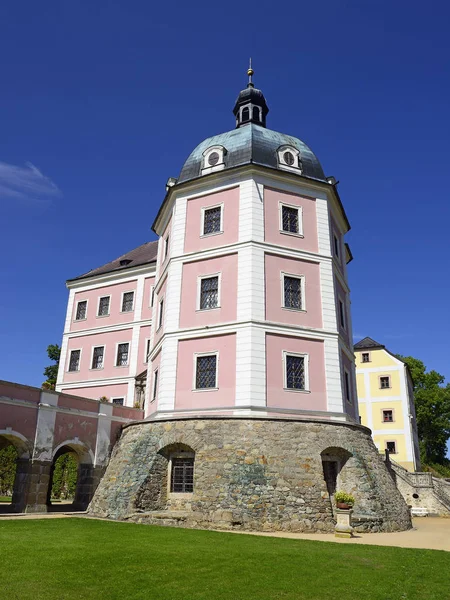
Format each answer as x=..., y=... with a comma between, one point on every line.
x=344, y=501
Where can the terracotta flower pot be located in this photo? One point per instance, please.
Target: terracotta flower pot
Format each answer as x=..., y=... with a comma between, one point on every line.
x=343, y=505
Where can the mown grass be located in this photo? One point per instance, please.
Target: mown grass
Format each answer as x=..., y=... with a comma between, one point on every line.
x=68, y=559
x=6, y=499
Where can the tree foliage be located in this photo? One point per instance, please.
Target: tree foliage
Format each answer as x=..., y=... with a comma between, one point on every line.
x=432, y=401
x=65, y=476
x=51, y=372
x=8, y=458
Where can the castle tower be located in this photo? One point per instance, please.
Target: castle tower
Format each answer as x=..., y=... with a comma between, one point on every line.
x=251, y=407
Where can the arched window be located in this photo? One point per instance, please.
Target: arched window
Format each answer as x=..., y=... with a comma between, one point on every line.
x=245, y=114
x=256, y=113
x=182, y=475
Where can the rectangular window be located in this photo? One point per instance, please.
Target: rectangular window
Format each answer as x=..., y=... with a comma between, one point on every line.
x=97, y=357
x=206, y=372
x=122, y=355
x=152, y=296
x=74, y=362
x=388, y=416
x=161, y=312
x=336, y=247
x=290, y=219
x=295, y=372
x=347, y=386
x=182, y=479
x=365, y=357
x=212, y=220
x=155, y=384
x=292, y=292
x=391, y=447
x=385, y=382
x=342, y=314
x=103, y=306
x=81, y=310
x=127, y=301
x=166, y=247
x=147, y=350
x=119, y=401
x=209, y=293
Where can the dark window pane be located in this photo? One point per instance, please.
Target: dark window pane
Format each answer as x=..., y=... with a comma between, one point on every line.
x=292, y=292
x=103, y=306
x=289, y=158
x=122, y=355
x=97, y=358
x=209, y=292
x=388, y=416
x=384, y=382
x=347, y=386
x=81, y=310
x=290, y=219
x=295, y=372
x=365, y=357
x=246, y=114
x=74, y=363
x=212, y=220
x=118, y=401
x=206, y=372
x=255, y=113
x=182, y=480
x=390, y=446
x=127, y=302
x=213, y=159
x=155, y=384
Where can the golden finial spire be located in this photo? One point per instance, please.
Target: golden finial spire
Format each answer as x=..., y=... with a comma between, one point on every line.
x=250, y=74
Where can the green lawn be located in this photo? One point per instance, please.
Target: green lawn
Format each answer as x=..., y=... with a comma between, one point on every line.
x=68, y=559
x=6, y=499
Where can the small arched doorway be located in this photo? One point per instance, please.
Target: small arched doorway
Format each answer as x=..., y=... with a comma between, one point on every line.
x=14, y=464
x=334, y=460
x=71, y=479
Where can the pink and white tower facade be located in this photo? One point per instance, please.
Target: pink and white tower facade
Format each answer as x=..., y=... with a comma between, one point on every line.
x=251, y=416
x=251, y=293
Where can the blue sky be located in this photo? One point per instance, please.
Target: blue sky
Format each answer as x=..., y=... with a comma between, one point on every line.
x=102, y=102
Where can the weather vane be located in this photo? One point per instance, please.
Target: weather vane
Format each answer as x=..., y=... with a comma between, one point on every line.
x=250, y=74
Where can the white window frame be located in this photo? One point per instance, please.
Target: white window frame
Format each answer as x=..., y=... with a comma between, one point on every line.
x=91, y=368
x=127, y=312
x=75, y=320
x=349, y=379
x=202, y=220
x=379, y=382
x=116, y=353
x=155, y=384
x=367, y=361
x=124, y=398
x=344, y=314
x=152, y=296
x=147, y=346
x=68, y=361
x=391, y=442
x=199, y=290
x=160, y=313
x=304, y=355
x=299, y=234
x=297, y=166
x=284, y=274
x=109, y=306
x=194, y=379
x=220, y=165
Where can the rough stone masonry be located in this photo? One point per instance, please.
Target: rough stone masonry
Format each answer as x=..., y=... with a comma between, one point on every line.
x=250, y=474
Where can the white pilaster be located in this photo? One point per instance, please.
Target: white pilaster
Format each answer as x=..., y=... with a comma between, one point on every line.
x=103, y=435
x=405, y=412
x=250, y=367
x=251, y=284
x=178, y=227
x=323, y=226
x=45, y=429
x=139, y=298
x=328, y=296
x=172, y=302
x=333, y=375
x=167, y=375
x=251, y=211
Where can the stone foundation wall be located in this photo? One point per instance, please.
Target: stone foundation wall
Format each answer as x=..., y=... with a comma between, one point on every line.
x=249, y=474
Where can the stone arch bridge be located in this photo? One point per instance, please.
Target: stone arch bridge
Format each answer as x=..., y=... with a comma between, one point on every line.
x=42, y=425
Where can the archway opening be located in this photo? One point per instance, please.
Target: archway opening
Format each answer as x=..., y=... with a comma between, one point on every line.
x=334, y=460
x=64, y=478
x=8, y=469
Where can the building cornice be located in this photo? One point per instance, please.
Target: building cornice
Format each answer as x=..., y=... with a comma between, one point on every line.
x=119, y=275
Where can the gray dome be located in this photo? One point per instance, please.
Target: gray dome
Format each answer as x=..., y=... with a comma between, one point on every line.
x=252, y=144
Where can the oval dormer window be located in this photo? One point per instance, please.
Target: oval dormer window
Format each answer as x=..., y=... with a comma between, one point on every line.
x=213, y=159
x=289, y=158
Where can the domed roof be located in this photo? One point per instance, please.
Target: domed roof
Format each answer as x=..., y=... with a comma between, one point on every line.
x=252, y=144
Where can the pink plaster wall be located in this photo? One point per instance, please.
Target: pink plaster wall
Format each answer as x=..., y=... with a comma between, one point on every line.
x=86, y=343
x=272, y=234
x=118, y=390
x=115, y=315
x=225, y=395
x=274, y=267
x=69, y=426
x=277, y=396
x=189, y=315
x=194, y=240
x=20, y=392
x=350, y=408
x=147, y=309
x=155, y=321
x=144, y=334
x=21, y=419
x=67, y=401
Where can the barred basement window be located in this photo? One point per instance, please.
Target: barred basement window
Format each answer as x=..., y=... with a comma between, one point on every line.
x=295, y=372
x=127, y=302
x=74, y=362
x=209, y=293
x=97, y=357
x=206, y=372
x=289, y=219
x=81, y=310
x=385, y=382
x=388, y=416
x=182, y=477
x=391, y=447
x=122, y=355
x=212, y=220
x=292, y=292
x=119, y=401
x=103, y=306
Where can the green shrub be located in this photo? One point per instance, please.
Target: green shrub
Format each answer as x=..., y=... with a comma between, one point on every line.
x=344, y=497
x=65, y=476
x=8, y=458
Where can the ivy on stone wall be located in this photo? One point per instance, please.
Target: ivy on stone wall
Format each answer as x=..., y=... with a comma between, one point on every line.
x=65, y=477
x=8, y=458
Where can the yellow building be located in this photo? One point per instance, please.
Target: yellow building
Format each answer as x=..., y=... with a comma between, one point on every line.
x=386, y=402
